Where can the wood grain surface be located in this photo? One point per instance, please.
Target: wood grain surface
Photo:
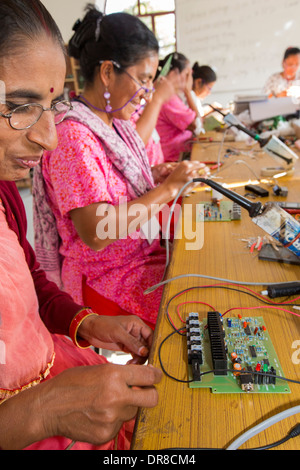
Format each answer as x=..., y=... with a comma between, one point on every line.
x=194, y=418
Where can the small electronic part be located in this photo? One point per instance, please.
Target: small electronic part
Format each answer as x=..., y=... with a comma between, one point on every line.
x=258, y=190
x=237, y=356
x=247, y=380
x=280, y=190
x=222, y=211
x=194, y=345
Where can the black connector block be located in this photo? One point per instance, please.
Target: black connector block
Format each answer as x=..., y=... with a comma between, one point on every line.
x=217, y=343
x=194, y=345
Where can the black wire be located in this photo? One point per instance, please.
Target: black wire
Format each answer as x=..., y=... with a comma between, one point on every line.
x=274, y=444
x=180, y=330
x=222, y=287
x=215, y=287
x=266, y=447
x=159, y=357
x=212, y=371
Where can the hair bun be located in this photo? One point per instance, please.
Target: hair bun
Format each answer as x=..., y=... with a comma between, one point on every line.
x=84, y=31
x=76, y=25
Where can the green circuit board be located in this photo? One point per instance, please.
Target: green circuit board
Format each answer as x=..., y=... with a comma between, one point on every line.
x=240, y=352
x=225, y=211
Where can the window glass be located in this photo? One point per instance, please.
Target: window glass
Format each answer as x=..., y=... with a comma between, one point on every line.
x=148, y=21
x=148, y=6
x=165, y=33
x=164, y=24
x=113, y=6
x=159, y=5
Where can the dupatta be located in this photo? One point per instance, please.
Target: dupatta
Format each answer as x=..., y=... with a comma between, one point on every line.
x=126, y=150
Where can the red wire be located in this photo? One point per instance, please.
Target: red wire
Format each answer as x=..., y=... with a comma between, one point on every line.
x=233, y=308
x=261, y=306
x=191, y=302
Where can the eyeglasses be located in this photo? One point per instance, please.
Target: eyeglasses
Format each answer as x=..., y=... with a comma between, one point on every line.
x=26, y=115
x=148, y=91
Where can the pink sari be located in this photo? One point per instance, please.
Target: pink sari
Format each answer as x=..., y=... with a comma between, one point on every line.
x=29, y=354
x=99, y=165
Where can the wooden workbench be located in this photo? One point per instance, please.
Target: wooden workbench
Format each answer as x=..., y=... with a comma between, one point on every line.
x=197, y=418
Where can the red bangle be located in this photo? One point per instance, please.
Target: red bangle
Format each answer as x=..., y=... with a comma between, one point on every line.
x=75, y=324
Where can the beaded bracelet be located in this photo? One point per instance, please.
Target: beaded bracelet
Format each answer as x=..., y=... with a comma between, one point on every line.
x=75, y=324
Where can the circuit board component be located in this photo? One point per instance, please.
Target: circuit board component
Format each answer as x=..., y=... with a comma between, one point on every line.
x=217, y=343
x=239, y=353
x=194, y=344
x=225, y=211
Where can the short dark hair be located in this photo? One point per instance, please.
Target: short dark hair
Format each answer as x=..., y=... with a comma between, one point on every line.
x=25, y=19
x=291, y=51
x=206, y=73
x=120, y=37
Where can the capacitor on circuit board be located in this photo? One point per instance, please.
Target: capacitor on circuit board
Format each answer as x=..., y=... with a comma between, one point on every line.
x=233, y=356
x=237, y=368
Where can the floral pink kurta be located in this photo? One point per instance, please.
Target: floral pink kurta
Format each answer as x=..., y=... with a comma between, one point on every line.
x=153, y=146
x=172, y=123
x=78, y=173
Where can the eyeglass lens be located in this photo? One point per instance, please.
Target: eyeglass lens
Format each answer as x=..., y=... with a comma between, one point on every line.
x=26, y=116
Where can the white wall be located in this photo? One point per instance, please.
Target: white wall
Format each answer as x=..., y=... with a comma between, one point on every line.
x=244, y=40
x=65, y=13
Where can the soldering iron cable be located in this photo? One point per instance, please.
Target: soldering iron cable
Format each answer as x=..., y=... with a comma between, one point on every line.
x=167, y=235
x=262, y=426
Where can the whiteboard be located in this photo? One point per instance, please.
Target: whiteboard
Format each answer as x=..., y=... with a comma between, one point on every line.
x=243, y=40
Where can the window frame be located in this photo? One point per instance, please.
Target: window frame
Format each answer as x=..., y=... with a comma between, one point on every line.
x=153, y=15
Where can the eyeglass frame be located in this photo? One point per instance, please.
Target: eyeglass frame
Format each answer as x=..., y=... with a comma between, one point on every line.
x=118, y=66
x=9, y=115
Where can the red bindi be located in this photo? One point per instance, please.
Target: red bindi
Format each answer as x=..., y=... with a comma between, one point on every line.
x=51, y=90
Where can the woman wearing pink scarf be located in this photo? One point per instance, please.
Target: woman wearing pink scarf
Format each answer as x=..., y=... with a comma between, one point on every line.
x=99, y=176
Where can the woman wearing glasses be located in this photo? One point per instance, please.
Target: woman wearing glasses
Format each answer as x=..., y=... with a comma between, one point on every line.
x=99, y=182
x=47, y=398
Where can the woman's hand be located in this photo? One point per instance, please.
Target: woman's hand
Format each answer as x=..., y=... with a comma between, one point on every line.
x=189, y=80
x=121, y=333
x=184, y=172
x=87, y=404
x=165, y=87
x=91, y=403
x=162, y=170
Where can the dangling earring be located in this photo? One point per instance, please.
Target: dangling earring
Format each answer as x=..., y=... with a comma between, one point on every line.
x=108, y=107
